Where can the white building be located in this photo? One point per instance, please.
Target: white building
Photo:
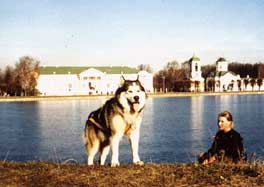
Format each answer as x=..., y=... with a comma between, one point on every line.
x=222, y=79
x=88, y=80
x=193, y=66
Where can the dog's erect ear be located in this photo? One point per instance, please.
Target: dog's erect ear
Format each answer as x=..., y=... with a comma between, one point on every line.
x=122, y=80
x=138, y=78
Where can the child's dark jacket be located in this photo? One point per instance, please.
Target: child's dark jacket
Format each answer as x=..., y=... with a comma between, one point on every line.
x=227, y=146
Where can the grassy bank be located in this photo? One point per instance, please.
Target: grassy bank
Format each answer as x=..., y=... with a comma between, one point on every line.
x=170, y=94
x=149, y=175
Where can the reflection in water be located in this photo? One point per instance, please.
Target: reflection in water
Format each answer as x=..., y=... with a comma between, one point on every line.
x=225, y=102
x=171, y=136
x=173, y=129
x=147, y=129
x=197, y=111
x=62, y=127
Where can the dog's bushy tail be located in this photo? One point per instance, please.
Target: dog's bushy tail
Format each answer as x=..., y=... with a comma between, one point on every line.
x=84, y=136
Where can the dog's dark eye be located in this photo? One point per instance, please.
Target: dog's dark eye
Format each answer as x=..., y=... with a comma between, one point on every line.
x=130, y=91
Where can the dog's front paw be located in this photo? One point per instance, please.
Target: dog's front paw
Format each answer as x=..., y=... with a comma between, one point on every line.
x=139, y=163
x=115, y=165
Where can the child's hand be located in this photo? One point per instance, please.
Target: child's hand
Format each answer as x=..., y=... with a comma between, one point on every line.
x=205, y=162
x=202, y=159
x=211, y=159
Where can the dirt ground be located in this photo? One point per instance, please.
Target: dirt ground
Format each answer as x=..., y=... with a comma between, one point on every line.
x=150, y=175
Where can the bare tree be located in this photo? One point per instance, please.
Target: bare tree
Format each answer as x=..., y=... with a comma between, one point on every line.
x=9, y=84
x=159, y=80
x=145, y=67
x=1, y=82
x=170, y=78
x=260, y=70
x=211, y=85
x=259, y=82
x=207, y=70
x=253, y=70
x=246, y=81
x=27, y=72
x=252, y=83
x=239, y=85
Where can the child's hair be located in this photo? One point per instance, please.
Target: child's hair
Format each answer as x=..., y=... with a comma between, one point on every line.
x=227, y=115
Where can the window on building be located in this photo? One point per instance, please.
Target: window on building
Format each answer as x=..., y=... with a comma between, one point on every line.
x=91, y=78
x=91, y=86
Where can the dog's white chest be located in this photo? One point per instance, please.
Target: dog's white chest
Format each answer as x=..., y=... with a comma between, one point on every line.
x=126, y=122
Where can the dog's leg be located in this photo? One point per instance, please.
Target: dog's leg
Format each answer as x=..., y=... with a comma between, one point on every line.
x=115, y=139
x=92, y=150
x=104, y=154
x=134, y=141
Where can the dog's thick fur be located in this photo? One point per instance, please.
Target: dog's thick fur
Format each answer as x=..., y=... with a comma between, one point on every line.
x=119, y=116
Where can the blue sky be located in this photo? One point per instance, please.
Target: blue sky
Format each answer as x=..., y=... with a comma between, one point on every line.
x=125, y=32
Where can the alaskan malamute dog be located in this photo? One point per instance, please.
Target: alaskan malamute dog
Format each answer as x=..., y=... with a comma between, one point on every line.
x=119, y=116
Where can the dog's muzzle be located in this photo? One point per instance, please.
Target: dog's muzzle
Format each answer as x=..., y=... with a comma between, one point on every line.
x=136, y=98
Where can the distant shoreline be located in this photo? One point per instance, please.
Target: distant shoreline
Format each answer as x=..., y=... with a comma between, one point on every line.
x=84, y=97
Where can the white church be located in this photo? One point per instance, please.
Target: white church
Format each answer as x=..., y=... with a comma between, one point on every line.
x=58, y=81
x=193, y=66
x=222, y=79
x=219, y=81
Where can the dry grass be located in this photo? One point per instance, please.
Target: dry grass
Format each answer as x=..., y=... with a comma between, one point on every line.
x=151, y=175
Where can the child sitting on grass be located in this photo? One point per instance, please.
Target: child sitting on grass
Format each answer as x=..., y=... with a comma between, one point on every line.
x=227, y=143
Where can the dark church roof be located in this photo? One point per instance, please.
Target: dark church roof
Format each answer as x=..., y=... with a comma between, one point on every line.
x=194, y=58
x=221, y=59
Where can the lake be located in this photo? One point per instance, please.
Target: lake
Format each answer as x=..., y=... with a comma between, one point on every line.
x=174, y=129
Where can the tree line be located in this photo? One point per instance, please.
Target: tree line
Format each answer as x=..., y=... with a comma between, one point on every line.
x=244, y=70
x=20, y=80
x=171, y=78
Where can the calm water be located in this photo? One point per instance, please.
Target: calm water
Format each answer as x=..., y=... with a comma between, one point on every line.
x=173, y=129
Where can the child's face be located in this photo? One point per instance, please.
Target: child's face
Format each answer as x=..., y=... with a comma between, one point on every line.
x=224, y=124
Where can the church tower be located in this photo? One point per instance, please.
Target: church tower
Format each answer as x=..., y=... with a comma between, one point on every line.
x=195, y=65
x=195, y=74
x=221, y=64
